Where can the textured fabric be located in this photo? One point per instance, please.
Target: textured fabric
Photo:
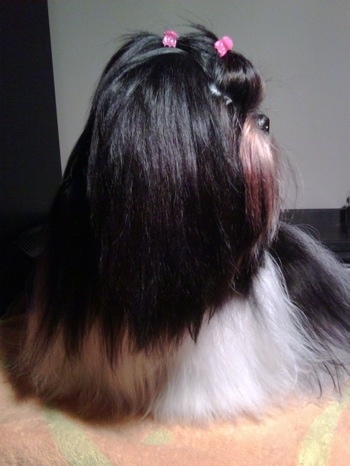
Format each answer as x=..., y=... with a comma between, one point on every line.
x=315, y=435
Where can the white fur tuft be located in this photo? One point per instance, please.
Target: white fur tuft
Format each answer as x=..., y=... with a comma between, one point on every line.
x=251, y=354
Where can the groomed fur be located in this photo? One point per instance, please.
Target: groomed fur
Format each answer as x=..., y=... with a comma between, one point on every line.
x=255, y=352
x=168, y=284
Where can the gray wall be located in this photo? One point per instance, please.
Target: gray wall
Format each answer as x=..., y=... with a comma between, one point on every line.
x=300, y=46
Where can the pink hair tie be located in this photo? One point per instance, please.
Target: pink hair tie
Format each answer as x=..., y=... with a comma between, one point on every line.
x=170, y=38
x=224, y=45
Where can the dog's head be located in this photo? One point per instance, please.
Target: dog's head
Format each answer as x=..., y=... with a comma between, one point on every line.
x=169, y=197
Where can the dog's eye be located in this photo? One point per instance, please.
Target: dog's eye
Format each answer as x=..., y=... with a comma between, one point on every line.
x=263, y=122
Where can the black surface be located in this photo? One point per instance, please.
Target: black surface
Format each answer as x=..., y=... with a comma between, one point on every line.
x=30, y=169
x=326, y=225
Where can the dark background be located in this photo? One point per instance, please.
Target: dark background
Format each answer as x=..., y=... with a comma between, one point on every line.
x=30, y=169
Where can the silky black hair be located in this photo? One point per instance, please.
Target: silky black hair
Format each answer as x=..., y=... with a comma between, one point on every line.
x=150, y=228
x=315, y=284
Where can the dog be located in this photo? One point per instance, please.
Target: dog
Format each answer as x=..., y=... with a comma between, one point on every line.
x=168, y=284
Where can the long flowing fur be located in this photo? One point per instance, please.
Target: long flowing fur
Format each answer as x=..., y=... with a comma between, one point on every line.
x=168, y=284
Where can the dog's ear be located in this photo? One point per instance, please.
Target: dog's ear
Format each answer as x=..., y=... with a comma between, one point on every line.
x=261, y=175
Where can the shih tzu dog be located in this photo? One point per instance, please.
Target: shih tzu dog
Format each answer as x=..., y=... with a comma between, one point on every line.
x=168, y=283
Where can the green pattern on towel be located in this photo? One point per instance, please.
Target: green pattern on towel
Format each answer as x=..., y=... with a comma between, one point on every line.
x=316, y=447
x=72, y=442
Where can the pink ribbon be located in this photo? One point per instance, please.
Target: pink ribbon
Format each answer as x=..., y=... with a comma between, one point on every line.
x=224, y=45
x=170, y=38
